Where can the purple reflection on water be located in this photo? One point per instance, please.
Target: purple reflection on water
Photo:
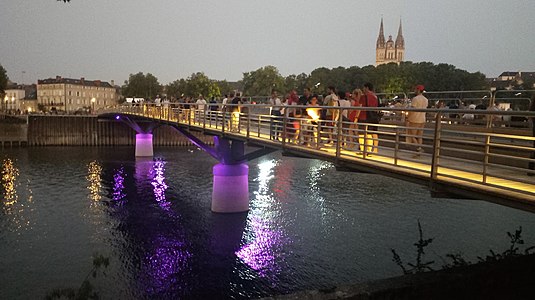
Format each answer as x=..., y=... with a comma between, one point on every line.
x=265, y=250
x=158, y=183
x=118, y=185
x=164, y=265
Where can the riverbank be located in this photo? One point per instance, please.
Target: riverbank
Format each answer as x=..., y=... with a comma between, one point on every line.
x=52, y=130
x=512, y=278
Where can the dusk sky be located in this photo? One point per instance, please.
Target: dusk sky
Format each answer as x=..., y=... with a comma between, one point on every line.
x=110, y=39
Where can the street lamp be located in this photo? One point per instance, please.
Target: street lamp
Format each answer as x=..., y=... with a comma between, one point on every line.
x=93, y=105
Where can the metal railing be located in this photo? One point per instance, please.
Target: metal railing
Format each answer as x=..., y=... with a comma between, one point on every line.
x=483, y=149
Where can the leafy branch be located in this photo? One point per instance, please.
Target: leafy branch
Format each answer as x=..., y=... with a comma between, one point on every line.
x=86, y=289
x=419, y=266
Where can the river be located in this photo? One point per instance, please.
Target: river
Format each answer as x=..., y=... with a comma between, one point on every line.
x=309, y=226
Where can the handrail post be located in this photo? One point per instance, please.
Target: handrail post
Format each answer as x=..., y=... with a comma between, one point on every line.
x=338, y=133
x=396, y=147
x=284, y=122
x=486, y=157
x=436, y=147
x=224, y=114
x=318, y=134
x=248, y=121
x=204, y=117
x=259, y=122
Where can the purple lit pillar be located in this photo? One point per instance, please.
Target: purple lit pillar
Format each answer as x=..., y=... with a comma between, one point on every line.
x=144, y=145
x=230, y=192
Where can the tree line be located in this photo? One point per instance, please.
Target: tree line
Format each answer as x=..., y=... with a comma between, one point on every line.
x=389, y=79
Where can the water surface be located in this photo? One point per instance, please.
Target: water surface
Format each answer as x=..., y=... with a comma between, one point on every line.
x=309, y=225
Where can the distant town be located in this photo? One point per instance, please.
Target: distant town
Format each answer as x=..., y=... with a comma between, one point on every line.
x=85, y=96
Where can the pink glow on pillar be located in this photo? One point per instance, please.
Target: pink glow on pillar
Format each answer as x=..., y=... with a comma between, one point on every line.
x=144, y=144
x=230, y=192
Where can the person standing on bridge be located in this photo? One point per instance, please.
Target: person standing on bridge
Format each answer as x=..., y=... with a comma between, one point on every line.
x=201, y=106
x=369, y=136
x=276, y=106
x=416, y=120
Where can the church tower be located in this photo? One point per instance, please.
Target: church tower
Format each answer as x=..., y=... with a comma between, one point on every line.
x=389, y=51
x=400, y=45
x=380, y=47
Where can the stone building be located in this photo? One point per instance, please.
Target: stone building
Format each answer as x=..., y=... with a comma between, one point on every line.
x=75, y=95
x=389, y=51
x=20, y=98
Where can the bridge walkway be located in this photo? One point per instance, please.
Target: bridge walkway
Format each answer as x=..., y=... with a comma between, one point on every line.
x=471, y=164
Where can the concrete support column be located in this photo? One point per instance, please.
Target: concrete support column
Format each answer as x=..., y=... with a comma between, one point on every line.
x=144, y=145
x=230, y=192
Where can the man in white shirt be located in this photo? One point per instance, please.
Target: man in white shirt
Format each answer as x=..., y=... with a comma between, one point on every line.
x=416, y=120
x=275, y=124
x=201, y=104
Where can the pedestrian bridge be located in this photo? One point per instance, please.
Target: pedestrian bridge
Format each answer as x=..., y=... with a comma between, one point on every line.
x=479, y=158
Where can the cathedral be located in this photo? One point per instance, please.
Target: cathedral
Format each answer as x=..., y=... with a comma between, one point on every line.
x=389, y=51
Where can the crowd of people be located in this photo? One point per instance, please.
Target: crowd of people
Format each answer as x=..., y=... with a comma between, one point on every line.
x=311, y=122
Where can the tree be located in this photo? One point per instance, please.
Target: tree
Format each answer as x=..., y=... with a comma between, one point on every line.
x=262, y=81
x=140, y=85
x=176, y=88
x=224, y=87
x=3, y=82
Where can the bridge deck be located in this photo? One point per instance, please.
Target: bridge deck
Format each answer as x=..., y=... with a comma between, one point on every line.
x=476, y=164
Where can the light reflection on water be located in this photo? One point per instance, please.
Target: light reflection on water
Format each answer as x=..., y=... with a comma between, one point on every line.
x=94, y=172
x=118, y=193
x=308, y=225
x=264, y=240
x=17, y=212
x=9, y=177
x=158, y=183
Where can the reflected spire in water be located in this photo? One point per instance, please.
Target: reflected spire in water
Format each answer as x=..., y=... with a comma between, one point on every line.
x=94, y=173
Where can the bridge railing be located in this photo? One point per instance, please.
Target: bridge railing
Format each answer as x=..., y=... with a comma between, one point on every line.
x=481, y=148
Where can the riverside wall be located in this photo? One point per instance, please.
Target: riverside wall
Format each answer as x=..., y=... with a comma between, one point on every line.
x=83, y=131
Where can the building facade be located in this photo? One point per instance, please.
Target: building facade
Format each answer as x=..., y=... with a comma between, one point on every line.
x=72, y=95
x=20, y=98
x=389, y=51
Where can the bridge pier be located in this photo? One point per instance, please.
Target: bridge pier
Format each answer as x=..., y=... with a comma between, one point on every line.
x=230, y=192
x=144, y=145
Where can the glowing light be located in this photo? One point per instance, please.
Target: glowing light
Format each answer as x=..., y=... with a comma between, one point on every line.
x=15, y=212
x=158, y=183
x=313, y=113
x=163, y=263
x=118, y=185
x=117, y=117
x=94, y=171
x=262, y=252
x=9, y=177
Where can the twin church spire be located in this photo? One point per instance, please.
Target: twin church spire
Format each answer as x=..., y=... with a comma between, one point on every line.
x=388, y=51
